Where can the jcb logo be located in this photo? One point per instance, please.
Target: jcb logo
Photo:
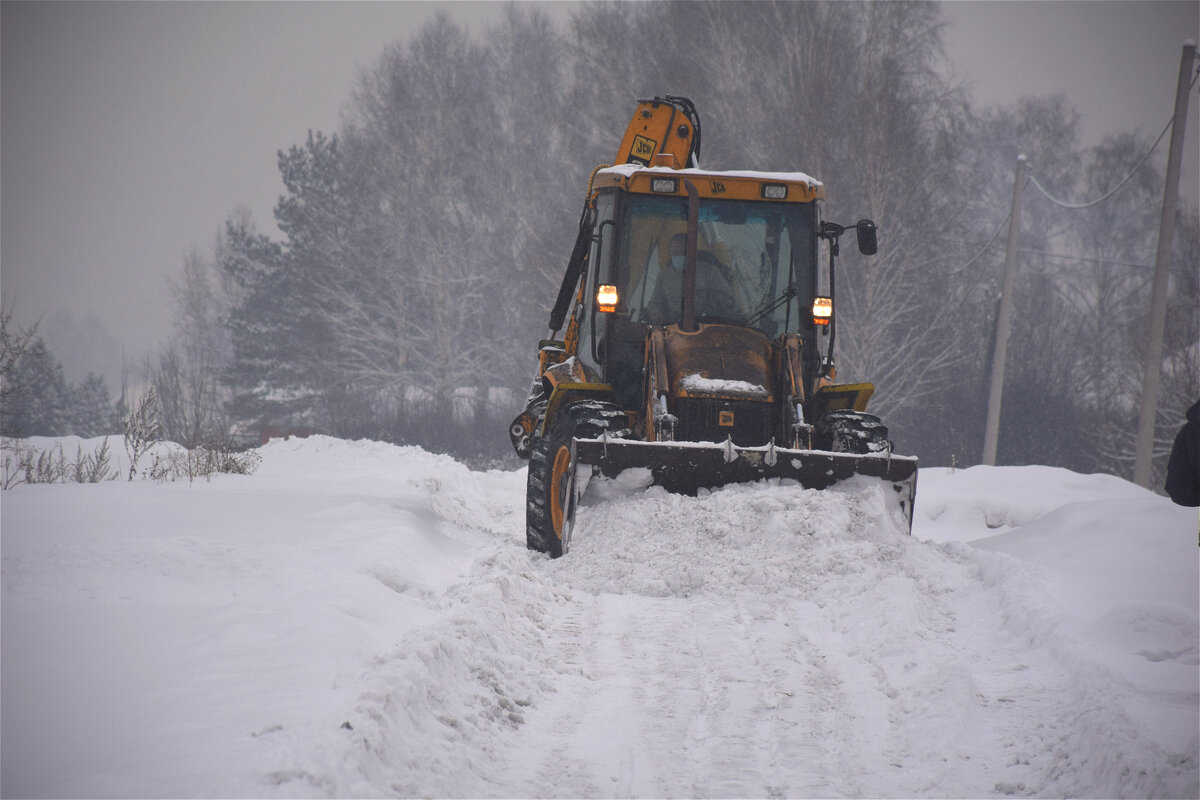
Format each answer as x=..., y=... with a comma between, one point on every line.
x=717, y=187
x=643, y=147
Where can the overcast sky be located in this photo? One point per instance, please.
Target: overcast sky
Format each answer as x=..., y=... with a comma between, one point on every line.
x=129, y=132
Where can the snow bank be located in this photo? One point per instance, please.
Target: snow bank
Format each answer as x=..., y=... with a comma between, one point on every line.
x=1114, y=594
x=1123, y=582
x=966, y=504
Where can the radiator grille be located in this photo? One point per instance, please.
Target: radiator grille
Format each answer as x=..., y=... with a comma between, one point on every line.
x=699, y=421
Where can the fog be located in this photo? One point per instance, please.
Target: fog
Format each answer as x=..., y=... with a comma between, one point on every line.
x=130, y=131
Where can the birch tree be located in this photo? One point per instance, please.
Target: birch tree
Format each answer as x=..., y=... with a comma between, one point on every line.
x=188, y=374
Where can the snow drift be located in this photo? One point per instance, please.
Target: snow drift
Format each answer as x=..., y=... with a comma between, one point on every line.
x=357, y=619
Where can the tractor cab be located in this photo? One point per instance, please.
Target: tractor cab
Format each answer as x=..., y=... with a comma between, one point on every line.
x=753, y=263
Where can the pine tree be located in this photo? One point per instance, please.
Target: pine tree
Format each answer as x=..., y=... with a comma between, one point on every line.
x=41, y=407
x=266, y=376
x=92, y=410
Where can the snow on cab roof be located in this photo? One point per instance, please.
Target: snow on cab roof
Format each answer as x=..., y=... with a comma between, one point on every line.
x=730, y=184
x=627, y=170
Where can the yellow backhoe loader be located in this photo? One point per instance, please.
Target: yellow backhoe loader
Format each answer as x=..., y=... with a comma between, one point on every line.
x=699, y=330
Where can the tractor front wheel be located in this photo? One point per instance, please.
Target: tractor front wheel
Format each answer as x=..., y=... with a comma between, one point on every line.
x=850, y=431
x=551, y=487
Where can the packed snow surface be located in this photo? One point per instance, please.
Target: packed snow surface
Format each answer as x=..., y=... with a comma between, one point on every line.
x=358, y=619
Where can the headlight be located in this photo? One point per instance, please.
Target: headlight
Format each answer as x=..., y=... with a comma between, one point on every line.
x=822, y=310
x=606, y=298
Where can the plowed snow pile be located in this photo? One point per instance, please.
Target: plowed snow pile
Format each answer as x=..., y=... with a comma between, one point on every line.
x=357, y=619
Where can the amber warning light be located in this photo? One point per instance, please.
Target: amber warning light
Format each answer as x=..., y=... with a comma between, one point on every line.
x=606, y=298
x=822, y=310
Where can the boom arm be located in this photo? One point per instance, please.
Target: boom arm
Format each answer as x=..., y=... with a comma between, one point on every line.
x=574, y=270
x=665, y=125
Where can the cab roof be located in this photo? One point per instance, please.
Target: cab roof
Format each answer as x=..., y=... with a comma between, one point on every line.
x=735, y=185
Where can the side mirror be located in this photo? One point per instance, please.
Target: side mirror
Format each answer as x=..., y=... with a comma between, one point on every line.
x=868, y=241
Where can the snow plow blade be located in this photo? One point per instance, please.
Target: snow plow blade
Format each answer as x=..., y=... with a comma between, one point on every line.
x=686, y=467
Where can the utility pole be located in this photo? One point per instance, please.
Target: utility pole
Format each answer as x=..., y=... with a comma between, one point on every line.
x=1000, y=348
x=1152, y=370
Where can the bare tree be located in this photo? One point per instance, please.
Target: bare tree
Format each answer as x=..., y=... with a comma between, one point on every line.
x=427, y=301
x=189, y=370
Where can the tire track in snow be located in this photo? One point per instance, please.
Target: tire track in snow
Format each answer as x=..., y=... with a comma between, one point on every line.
x=666, y=696
x=558, y=721
x=701, y=648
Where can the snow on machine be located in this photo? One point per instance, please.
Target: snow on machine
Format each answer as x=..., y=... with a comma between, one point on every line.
x=700, y=325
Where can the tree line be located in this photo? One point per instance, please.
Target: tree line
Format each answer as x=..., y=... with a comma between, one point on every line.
x=422, y=243
x=37, y=399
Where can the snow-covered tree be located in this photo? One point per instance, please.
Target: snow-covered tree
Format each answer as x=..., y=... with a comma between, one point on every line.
x=269, y=378
x=92, y=410
x=15, y=343
x=39, y=403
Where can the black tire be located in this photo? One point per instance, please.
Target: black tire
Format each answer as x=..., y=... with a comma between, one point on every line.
x=551, y=490
x=852, y=432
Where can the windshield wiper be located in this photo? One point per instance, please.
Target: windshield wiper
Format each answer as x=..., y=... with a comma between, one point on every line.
x=788, y=294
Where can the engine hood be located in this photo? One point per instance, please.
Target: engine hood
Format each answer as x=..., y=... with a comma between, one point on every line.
x=723, y=362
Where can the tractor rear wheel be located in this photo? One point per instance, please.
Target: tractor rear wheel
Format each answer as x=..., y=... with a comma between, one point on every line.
x=551, y=487
x=852, y=432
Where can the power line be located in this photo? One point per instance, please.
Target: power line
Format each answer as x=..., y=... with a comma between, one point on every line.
x=1084, y=258
x=1063, y=256
x=1064, y=204
x=1117, y=188
x=1124, y=181
x=983, y=250
x=1056, y=201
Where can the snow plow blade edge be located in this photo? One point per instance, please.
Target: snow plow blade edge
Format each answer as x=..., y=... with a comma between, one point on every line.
x=686, y=467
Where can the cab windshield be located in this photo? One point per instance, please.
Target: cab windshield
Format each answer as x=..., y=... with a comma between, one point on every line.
x=754, y=262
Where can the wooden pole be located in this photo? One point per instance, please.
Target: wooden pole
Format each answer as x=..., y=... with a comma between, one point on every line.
x=991, y=433
x=1152, y=370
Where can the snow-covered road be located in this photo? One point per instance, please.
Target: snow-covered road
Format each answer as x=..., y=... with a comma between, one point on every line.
x=357, y=619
